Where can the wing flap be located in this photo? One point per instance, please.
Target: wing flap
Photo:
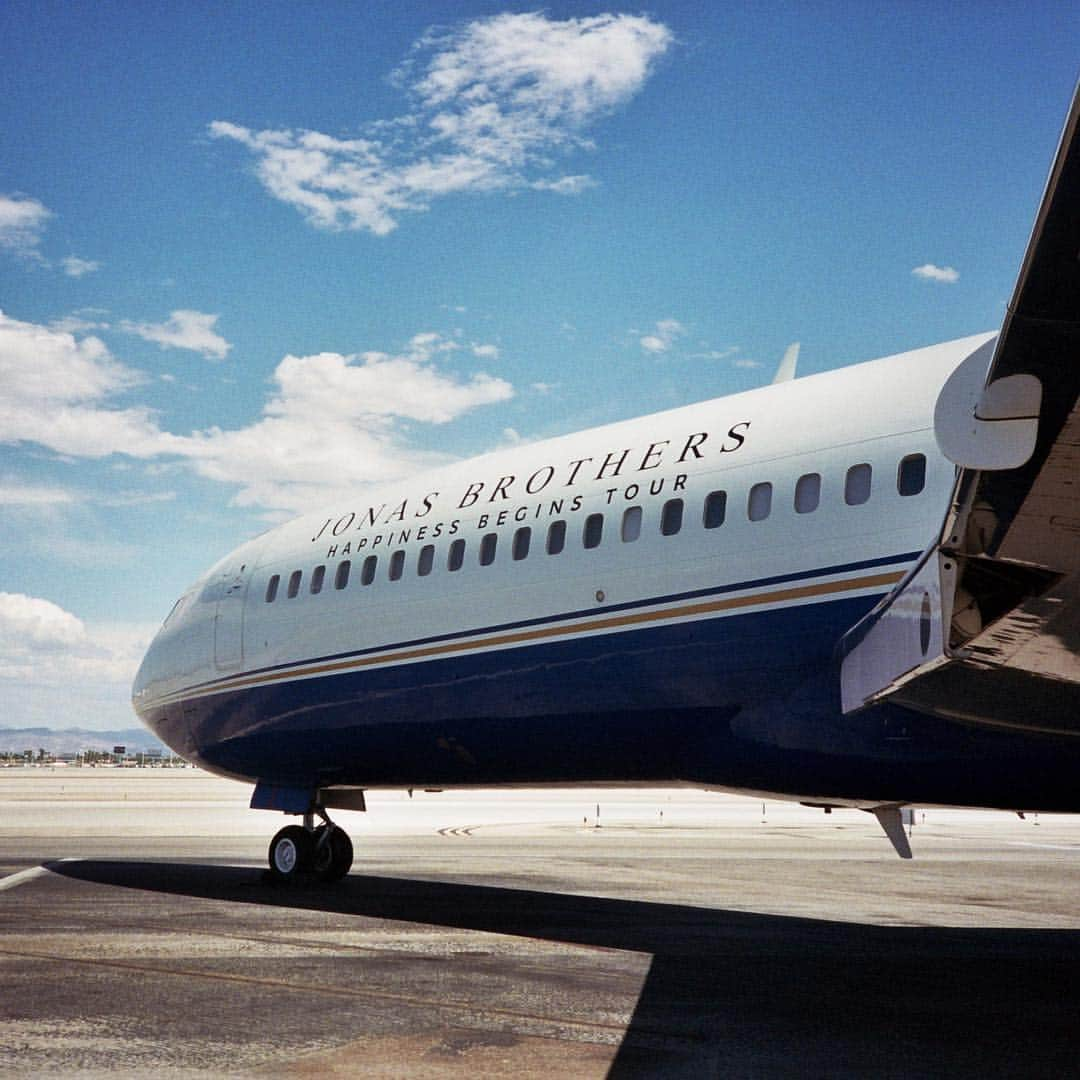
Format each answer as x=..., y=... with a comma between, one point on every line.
x=987, y=627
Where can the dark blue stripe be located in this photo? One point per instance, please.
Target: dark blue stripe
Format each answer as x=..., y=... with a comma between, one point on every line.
x=718, y=590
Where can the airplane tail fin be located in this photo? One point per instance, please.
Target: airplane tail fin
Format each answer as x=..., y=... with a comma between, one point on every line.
x=786, y=371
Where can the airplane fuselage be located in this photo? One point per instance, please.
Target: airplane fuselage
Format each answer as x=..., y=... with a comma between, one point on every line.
x=654, y=601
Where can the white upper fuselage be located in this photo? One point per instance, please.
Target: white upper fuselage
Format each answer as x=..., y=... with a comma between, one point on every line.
x=226, y=627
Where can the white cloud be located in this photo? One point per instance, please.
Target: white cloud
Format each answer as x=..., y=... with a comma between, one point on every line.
x=667, y=331
x=22, y=220
x=45, y=650
x=747, y=363
x=16, y=494
x=183, y=329
x=333, y=422
x=332, y=385
x=494, y=100
x=29, y=624
x=566, y=185
x=79, y=322
x=930, y=272
x=715, y=354
x=53, y=388
x=76, y=267
x=134, y=498
x=486, y=352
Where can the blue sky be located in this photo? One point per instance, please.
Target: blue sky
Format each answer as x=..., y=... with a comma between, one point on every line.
x=256, y=255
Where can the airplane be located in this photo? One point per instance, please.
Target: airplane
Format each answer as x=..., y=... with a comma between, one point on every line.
x=853, y=589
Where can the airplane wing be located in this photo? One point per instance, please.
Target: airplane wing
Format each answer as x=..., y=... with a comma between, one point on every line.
x=986, y=628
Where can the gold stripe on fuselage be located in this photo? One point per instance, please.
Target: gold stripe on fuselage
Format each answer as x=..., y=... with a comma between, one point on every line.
x=519, y=637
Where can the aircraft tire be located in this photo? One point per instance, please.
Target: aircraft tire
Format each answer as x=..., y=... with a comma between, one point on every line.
x=290, y=853
x=332, y=860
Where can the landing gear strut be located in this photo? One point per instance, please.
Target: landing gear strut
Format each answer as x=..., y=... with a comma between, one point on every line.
x=298, y=850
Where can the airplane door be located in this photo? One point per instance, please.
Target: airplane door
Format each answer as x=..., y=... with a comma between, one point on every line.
x=229, y=617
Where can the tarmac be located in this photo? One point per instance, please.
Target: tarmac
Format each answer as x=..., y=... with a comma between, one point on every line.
x=580, y=933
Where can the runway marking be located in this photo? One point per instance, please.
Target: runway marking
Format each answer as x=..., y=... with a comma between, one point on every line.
x=13, y=881
x=457, y=830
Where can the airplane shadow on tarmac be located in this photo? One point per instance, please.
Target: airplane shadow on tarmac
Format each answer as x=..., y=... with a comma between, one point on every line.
x=738, y=994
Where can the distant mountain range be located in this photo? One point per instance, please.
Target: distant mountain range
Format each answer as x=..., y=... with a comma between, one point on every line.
x=73, y=740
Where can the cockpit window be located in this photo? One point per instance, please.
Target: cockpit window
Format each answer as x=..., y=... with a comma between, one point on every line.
x=175, y=608
x=271, y=588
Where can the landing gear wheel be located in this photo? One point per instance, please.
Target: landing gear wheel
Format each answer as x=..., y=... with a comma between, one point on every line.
x=291, y=853
x=333, y=853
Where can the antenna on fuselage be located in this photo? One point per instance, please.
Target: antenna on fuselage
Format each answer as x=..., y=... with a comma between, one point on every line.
x=786, y=371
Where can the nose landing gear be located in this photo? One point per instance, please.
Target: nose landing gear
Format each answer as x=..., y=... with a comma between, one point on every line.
x=291, y=852
x=333, y=853
x=325, y=852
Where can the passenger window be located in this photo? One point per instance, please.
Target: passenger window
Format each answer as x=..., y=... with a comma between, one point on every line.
x=455, y=557
x=556, y=537
x=294, y=583
x=759, y=505
x=318, y=575
x=808, y=493
x=594, y=530
x=397, y=564
x=631, y=524
x=715, y=509
x=426, y=560
x=911, y=476
x=271, y=588
x=367, y=572
x=857, y=485
x=487, y=548
x=341, y=578
x=671, y=517
x=522, y=539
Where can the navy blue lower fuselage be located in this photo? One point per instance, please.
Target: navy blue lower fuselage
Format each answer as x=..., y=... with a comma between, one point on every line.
x=746, y=701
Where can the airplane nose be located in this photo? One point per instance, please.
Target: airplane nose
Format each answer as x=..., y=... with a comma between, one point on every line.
x=140, y=687
x=153, y=689
x=161, y=662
